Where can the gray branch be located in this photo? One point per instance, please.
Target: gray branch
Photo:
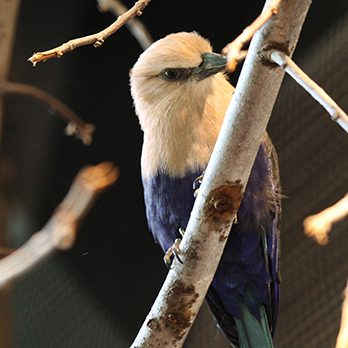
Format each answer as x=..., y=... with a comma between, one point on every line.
x=224, y=181
x=289, y=66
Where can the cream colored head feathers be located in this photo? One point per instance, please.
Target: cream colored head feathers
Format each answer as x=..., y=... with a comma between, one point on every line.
x=180, y=117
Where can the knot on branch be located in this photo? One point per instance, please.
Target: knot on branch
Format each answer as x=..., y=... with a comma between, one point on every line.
x=266, y=52
x=98, y=42
x=224, y=201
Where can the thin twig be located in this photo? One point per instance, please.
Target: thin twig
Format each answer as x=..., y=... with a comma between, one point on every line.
x=76, y=126
x=234, y=50
x=60, y=230
x=287, y=64
x=96, y=39
x=319, y=226
x=342, y=338
x=135, y=26
x=185, y=287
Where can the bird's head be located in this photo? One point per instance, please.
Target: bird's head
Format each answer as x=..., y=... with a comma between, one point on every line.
x=172, y=71
x=180, y=97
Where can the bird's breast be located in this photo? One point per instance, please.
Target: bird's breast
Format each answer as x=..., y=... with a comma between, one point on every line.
x=168, y=202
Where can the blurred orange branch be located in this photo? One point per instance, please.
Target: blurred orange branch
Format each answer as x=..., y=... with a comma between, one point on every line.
x=319, y=226
x=60, y=230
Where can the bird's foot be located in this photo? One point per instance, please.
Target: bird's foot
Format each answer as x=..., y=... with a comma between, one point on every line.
x=181, y=231
x=197, y=184
x=174, y=250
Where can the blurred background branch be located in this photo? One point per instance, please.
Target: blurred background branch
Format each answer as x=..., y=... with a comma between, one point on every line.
x=76, y=126
x=60, y=231
x=319, y=226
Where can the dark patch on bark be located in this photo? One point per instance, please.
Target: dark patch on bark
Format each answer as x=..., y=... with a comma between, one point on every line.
x=263, y=54
x=153, y=324
x=224, y=201
x=192, y=254
x=179, y=313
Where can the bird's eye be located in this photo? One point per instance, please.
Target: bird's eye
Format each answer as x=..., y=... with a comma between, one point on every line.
x=170, y=74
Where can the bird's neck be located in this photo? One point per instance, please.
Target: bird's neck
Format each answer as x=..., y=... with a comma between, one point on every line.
x=182, y=139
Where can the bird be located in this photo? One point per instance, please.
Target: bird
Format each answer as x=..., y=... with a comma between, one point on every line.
x=180, y=93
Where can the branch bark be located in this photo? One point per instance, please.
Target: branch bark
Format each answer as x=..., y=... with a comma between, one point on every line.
x=226, y=176
x=289, y=66
x=60, y=230
x=96, y=39
x=319, y=226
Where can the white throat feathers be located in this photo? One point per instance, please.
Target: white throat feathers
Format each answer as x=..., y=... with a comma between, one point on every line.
x=180, y=119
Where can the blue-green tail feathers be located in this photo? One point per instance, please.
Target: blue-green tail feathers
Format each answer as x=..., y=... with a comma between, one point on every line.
x=248, y=331
x=253, y=333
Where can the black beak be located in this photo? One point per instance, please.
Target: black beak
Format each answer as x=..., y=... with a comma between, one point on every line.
x=212, y=63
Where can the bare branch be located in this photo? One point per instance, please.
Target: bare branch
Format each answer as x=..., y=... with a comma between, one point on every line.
x=76, y=126
x=319, y=226
x=287, y=64
x=60, y=230
x=342, y=338
x=226, y=176
x=96, y=39
x=135, y=26
x=234, y=50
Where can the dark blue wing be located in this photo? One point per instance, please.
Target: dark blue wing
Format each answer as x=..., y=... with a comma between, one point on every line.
x=249, y=264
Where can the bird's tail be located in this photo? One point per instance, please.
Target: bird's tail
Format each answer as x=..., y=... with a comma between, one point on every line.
x=252, y=332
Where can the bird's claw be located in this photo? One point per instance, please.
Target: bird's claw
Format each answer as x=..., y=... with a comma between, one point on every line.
x=174, y=250
x=197, y=183
x=181, y=231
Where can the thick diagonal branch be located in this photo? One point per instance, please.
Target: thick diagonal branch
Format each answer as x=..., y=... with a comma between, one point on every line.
x=225, y=178
x=96, y=39
x=60, y=230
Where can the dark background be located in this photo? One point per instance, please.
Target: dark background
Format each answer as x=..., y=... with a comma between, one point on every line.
x=98, y=293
